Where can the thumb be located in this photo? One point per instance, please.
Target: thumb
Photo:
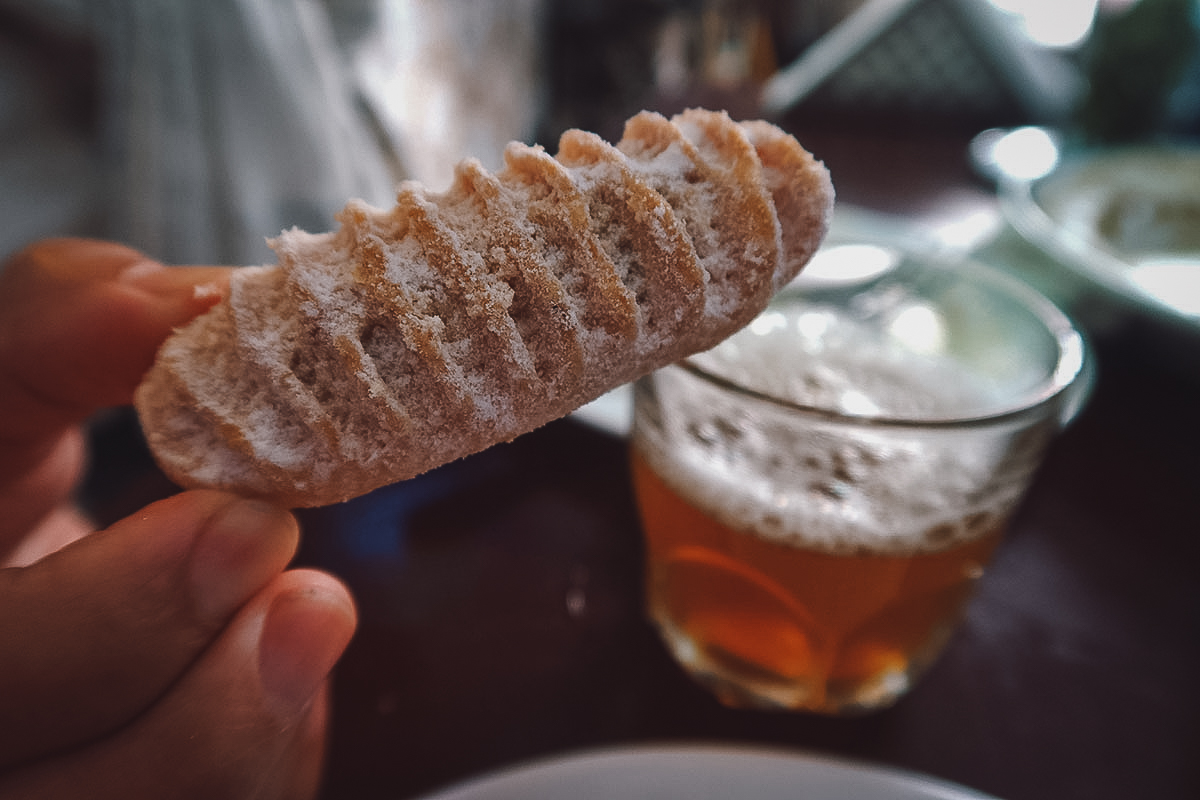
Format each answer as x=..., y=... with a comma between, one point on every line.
x=247, y=720
x=91, y=635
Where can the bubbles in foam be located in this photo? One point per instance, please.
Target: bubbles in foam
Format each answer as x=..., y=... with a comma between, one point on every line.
x=826, y=483
x=820, y=357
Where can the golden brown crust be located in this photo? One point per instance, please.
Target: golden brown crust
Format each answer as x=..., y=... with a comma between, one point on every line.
x=798, y=185
x=419, y=334
x=653, y=253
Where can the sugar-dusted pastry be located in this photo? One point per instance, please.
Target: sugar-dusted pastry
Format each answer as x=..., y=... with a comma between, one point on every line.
x=413, y=336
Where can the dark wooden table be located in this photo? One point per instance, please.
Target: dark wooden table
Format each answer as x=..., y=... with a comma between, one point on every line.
x=501, y=597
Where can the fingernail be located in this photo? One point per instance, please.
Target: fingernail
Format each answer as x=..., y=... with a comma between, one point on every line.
x=305, y=633
x=243, y=546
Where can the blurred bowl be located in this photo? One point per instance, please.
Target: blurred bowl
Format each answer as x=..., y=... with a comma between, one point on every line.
x=1126, y=220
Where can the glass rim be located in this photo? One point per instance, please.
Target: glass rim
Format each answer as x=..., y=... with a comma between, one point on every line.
x=1072, y=374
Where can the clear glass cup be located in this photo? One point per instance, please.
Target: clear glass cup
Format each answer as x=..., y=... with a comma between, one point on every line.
x=821, y=492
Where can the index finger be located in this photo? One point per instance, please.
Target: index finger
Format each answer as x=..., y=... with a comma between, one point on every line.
x=80, y=323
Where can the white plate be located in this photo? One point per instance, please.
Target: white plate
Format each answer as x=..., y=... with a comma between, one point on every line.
x=704, y=773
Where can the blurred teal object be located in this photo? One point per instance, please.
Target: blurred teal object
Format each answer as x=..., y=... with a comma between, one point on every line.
x=944, y=60
x=1123, y=224
x=1134, y=64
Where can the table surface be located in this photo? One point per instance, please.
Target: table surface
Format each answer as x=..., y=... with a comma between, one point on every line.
x=501, y=597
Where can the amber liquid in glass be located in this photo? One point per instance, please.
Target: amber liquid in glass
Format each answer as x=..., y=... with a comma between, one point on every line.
x=765, y=622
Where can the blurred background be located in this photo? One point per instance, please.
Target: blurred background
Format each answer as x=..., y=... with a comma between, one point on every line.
x=196, y=130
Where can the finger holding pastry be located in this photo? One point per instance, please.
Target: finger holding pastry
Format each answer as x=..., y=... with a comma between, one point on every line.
x=114, y=642
x=80, y=322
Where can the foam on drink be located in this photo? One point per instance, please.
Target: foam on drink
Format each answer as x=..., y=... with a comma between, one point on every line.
x=834, y=487
x=821, y=492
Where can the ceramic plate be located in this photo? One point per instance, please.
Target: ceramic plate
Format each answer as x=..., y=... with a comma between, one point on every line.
x=703, y=773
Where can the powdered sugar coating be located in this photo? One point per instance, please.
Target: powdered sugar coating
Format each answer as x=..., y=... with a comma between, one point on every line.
x=421, y=333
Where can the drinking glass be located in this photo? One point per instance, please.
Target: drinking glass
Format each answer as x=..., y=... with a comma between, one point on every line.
x=821, y=492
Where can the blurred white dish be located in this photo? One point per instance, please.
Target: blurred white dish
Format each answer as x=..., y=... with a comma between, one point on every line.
x=1126, y=220
x=703, y=773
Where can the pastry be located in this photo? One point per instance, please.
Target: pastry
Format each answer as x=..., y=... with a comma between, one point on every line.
x=413, y=336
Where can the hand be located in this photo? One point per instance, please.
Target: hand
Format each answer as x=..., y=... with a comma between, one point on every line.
x=170, y=655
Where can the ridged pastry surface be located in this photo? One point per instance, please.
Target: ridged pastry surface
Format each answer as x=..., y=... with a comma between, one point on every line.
x=412, y=336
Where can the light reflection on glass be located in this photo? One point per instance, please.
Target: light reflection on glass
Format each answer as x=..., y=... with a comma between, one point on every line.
x=919, y=328
x=853, y=401
x=812, y=326
x=768, y=322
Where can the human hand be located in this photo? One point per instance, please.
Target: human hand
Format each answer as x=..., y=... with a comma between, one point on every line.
x=170, y=655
